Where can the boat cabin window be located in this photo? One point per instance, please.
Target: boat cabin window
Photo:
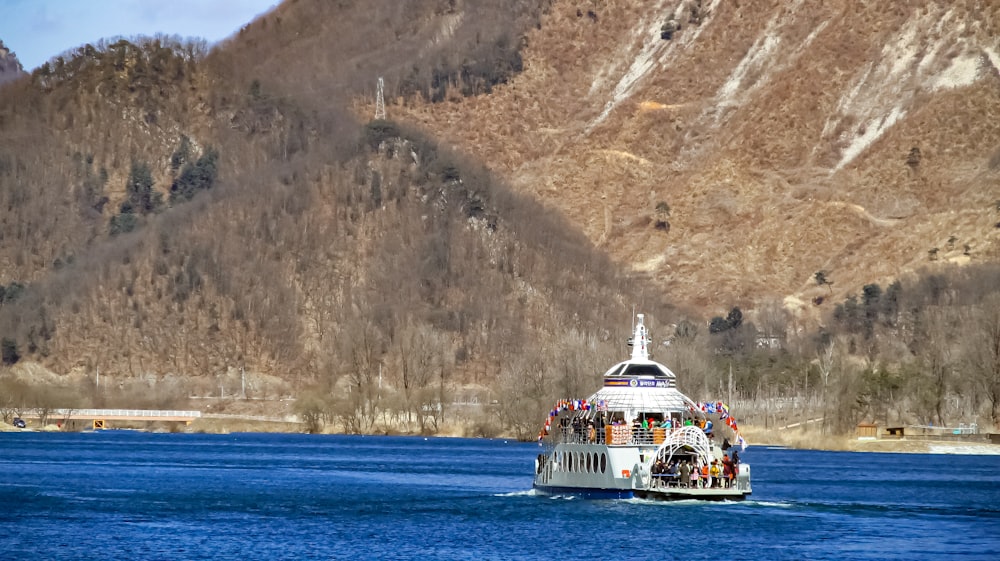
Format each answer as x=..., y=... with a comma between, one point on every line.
x=626, y=369
x=641, y=370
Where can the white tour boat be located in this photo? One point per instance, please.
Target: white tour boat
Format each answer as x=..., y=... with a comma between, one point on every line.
x=638, y=436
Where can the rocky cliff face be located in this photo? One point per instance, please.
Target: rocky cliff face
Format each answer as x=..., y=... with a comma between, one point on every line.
x=10, y=67
x=731, y=150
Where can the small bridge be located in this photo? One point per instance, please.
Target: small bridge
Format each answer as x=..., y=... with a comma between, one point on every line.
x=112, y=414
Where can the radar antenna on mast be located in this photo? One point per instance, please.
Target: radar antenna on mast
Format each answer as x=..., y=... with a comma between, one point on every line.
x=380, y=100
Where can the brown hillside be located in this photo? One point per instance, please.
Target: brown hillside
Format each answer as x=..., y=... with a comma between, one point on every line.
x=778, y=134
x=323, y=252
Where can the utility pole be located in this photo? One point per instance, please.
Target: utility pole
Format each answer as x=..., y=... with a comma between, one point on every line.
x=730, y=398
x=380, y=100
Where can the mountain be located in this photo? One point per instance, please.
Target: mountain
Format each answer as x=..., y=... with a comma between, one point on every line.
x=785, y=138
x=10, y=67
x=182, y=223
x=195, y=222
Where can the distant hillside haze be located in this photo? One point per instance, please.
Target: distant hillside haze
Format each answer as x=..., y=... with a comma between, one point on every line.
x=10, y=67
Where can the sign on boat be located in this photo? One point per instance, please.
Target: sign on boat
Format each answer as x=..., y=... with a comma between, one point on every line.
x=638, y=436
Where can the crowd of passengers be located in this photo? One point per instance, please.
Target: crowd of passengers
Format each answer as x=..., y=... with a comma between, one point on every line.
x=691, y=473
x=591, y=430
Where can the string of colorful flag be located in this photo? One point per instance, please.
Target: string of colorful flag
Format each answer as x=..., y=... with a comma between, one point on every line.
x=722, y=410
x=569, y=405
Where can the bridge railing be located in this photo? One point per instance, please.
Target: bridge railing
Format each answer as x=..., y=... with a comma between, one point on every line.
x=101, y=413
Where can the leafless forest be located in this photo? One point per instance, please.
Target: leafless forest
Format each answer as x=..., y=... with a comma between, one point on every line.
x=180, y=223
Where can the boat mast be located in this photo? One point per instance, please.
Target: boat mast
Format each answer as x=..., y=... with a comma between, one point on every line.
x=640, y=340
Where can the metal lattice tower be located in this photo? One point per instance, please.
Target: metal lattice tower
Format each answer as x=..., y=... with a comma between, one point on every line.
x=380, y=101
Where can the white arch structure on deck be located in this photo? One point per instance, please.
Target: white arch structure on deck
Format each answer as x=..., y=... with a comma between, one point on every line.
x=690, y=439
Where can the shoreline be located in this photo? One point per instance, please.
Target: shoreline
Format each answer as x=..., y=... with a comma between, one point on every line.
x=810, y=440
x=756, y=438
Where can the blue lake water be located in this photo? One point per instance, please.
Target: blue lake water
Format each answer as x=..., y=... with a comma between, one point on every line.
x=126, y=495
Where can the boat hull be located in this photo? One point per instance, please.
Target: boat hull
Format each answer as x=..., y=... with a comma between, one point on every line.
x=584, y=493
x=599, y=471
x=671, y=494
x=692, y=494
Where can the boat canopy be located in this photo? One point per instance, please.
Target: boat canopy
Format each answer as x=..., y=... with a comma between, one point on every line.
x=634, y=400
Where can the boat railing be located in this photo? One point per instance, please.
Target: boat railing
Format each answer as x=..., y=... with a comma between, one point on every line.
x=646, y=436
x=581, y=435
x=614, y=435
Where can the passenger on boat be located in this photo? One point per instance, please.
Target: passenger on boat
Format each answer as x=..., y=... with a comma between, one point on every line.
x=715, y=474
x=685, y=471
x=727, y=472
x=705, y=481
x=672, y=471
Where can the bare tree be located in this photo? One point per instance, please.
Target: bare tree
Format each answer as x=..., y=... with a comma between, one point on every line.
x=936, y=333
x=420, y=355
x=361, y=343
x=982, y=351
x=13, y=395
x=524, y=396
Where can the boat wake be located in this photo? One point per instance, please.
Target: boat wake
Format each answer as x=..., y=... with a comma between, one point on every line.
x=747, y=503
x=527, y=493
x=679, y=502
x=557, y=497
x=769, y=504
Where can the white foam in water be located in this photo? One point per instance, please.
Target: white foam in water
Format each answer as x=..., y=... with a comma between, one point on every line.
x=675, y=502
x=770, y=503
x=528, y=493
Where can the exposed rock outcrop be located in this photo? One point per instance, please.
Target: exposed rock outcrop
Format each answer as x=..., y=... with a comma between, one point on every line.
x=10, y=67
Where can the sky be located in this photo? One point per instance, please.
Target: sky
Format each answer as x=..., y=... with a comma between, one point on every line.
x=38, y=30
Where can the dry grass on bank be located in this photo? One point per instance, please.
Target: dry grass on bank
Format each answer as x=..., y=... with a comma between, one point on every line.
x=814, y=440
x=795, y=438
x=225, y=426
